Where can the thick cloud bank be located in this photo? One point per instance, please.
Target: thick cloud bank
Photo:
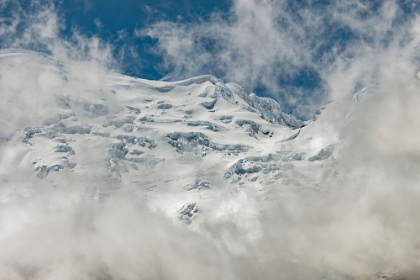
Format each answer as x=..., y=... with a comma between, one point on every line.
x=360, y=220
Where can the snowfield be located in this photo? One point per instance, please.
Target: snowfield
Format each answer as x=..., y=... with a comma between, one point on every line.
x=105, y=176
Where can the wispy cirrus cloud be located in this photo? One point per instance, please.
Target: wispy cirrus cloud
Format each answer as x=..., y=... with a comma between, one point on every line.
x=288, y=49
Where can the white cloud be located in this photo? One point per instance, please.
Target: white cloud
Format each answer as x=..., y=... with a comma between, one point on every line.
x=86, y=61
x=263, y=41
x=363, y=220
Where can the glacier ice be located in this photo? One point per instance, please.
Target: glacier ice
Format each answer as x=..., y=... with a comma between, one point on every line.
x=226, y=119
x=117, y=151
x=149, y=119
x=147, y=161
x=142, y=141
x=77, y=130
x=29, y=133
x=292, y=137
x=171, y=164
x=56, y=119
x=101, y=134
x=185, y=141
x=129, y=128
x=318, y=113
x=256, y=164
x=222, y=90
x=253, y=127
x=68, y=164
x=199, y=184
x=198, y=80
x=120, y=122
x=269, y=108
x=207, y=124
x=64, y=149
x=136, y=152
x=253, y=179
x=167, y=88
x=133, y=109
x=294, y=157
x=96, y=109
x=187, y=212
x=43, y=171
x=278, y=176
x=165, y=106
x=209, y=104
x=323, y=154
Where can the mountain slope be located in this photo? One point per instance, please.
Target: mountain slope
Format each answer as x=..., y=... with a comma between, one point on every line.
x=199, y=155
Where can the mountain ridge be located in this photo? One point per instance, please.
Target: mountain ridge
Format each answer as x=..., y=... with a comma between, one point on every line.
x=199, y=155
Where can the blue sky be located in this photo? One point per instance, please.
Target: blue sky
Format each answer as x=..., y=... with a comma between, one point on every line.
x=289, y=50
x=112, y=20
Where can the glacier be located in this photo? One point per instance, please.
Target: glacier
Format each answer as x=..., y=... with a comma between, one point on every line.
x=194, y=165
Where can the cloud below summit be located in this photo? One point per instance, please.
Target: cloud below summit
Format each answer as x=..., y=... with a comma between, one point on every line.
x=360, y=219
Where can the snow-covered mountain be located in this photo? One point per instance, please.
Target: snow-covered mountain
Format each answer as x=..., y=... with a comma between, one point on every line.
x=222, y=169
x=200, y=137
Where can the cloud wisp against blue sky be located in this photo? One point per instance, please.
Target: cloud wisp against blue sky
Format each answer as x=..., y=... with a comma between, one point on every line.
x=287, y=49
x=293, y=51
